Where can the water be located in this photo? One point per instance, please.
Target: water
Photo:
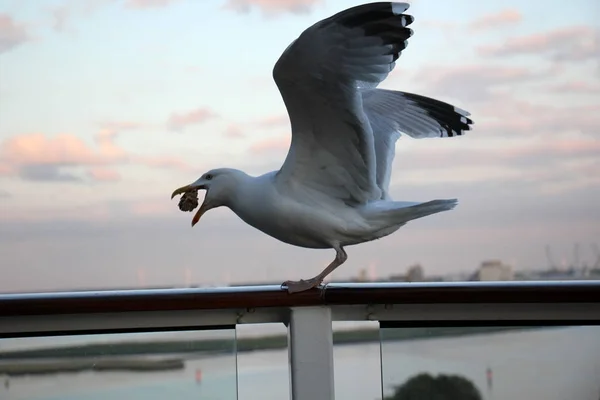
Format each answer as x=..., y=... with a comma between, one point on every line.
x=551, y=364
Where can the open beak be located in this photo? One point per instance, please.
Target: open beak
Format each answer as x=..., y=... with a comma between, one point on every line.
x=203, y=208
x=186, y=188
x=190, y=188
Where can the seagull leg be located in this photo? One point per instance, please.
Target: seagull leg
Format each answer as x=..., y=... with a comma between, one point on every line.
x=302, y=285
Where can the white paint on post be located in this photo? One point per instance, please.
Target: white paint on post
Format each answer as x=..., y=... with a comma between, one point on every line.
x=310, y=347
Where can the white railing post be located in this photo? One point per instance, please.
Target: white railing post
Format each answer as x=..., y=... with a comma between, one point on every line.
x=310, y=349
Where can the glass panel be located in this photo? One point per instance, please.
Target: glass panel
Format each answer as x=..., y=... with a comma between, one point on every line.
x=150, y=366
x=356, y=360
x=545, y=363
x=263, y=367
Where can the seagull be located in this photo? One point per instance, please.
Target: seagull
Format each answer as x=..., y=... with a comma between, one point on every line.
x=332, y=190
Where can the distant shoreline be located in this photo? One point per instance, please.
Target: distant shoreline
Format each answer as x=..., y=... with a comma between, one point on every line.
x=126, y=355
x=44, y=367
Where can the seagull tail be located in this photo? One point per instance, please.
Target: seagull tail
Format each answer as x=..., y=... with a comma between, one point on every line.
x=403, y=215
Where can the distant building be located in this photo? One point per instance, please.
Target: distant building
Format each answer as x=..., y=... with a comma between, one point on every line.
x=493, y=270
x=415, y=273
x=363, y=276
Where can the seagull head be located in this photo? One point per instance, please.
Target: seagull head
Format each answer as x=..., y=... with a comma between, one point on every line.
x=219, y=185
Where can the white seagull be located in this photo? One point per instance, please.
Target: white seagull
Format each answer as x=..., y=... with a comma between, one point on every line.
x=333, y=188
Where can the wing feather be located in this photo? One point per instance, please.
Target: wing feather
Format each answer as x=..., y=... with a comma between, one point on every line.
x=320, y=77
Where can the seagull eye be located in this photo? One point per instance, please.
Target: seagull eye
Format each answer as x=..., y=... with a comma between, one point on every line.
x=208, y=177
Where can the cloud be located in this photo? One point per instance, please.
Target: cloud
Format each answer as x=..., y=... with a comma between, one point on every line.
x=274, y=121
x=46, y=173
x=179, y=121
x=12, y=34
x=499, y=19
x=575, y=43
x=272, y=144
x=4, y=194
x=233, y=131
x=145, y=4
x=475, y=82
x=580, y=87
x=100, y=174
x=63, y=149
x=536, y=164
x=506, y=116
x=37, y=157
x=273, y=7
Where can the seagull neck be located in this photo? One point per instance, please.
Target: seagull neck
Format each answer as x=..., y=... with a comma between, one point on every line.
x=240, y=184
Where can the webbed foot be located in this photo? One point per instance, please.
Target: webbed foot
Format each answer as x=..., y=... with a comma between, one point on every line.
x=301, y=285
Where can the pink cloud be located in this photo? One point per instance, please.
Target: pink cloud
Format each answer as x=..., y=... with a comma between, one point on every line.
x=576, y=87
x=234, y=131
x=38, y=157
x=274, y=121
x=499, y=19
x=6, y=168
x=12, y=34
x=536, y=165
x=273, y=144
x=506, y=116
x=179, y=121
x=573, y=43
x=105, y=140
x=103, y=174
x=63, y=149
x=475, y=82
x=273, y=7
x=568, y=148
x=144, y=4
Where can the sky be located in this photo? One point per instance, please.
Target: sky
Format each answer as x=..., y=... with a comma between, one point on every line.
x=107, y=106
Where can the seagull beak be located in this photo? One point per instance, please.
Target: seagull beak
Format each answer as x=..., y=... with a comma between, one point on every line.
x=188, y=188
x=182, y=190
x=203, y=208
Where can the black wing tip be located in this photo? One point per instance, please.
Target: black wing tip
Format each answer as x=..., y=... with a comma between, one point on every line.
x=453, y=121
x=374, y=12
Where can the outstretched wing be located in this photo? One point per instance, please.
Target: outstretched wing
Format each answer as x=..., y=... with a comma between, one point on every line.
x=393, y=112
x=321, y=77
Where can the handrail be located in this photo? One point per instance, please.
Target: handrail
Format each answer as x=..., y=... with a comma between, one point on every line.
x=117, y=301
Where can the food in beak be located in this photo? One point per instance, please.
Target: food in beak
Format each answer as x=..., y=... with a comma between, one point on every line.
x=189, y=201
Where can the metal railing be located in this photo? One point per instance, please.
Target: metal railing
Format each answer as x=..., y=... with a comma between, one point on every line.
x=308, y=315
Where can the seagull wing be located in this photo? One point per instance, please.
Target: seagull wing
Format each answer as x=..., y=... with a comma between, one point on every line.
x=322, y=76
x=393, y=112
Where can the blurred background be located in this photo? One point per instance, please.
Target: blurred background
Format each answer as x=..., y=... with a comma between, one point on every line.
x=107, y=106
